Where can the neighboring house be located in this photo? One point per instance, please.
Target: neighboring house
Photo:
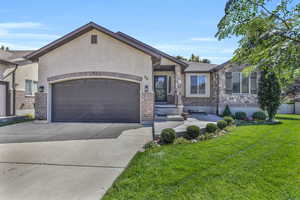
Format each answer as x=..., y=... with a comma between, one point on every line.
x=20, y=78
x=95, y=75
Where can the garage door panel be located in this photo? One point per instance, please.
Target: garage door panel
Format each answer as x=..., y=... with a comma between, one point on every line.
x=96, y=100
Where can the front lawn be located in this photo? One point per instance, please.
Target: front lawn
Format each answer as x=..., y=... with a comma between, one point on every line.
x=253, y=162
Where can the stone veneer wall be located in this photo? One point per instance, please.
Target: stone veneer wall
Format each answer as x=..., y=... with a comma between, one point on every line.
x=237, y=102
x=41, y=105
x=147, y=107
x=24, y=102
x=241, y=100
x=204, y=101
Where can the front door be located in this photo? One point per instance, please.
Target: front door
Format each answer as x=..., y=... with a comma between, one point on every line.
x=160, y=87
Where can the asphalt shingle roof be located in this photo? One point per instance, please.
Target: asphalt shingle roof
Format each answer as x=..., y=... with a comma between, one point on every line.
x=200, y=67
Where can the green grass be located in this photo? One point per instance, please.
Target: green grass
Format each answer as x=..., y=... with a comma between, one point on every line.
x=253, y=162
x=17, y=121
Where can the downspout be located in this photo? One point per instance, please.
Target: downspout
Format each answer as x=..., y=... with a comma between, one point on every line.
x=14, y=89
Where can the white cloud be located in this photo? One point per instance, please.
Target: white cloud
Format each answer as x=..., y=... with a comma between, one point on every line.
x=204, y=39
x=193, y=48
x=15, y=31
x=20, y=25
x=18, y=46
x=7, y=35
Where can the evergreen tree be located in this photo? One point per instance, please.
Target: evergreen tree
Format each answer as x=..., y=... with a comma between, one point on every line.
x=269, y=93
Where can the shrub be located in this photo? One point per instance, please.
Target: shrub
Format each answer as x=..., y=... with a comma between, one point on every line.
x=229, y=120
x=259, y=116
x=151, y=145
x=227, y=111
x=181, y=140
x=240, y=115
x=192, y=132
x=201, y=137
x=168, y=135
x=221, y=124
x=211, y=127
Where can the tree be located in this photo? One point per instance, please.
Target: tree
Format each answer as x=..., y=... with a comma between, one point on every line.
x=269, y=93
x=205, y=61
x=181, y=58
x=4, y=48
x=194, y=58
x=270, y=35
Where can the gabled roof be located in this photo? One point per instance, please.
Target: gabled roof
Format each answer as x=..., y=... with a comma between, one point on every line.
x=5, y=62
x=200, y=67
x=221, y=66
x=84, y=29
x=163, y=54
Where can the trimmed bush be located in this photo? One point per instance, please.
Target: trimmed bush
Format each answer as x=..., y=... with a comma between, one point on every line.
x=227, y=111
x=168, y=135
x=229, y=120
x=192, y=132
x=181, y=140
x=240, y=115
x=151, y=145
x=221, y=124
x=259, y=116
x=201, y=137
x=211, y=127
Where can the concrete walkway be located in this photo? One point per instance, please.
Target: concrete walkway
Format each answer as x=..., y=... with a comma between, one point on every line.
x=78, y=169
x=199, y=120
x=38, y=131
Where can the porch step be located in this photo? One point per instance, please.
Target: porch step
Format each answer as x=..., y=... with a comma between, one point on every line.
x=174, y=118
x=164, y=110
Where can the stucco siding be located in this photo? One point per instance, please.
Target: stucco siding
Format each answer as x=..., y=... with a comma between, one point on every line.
x=110, y=55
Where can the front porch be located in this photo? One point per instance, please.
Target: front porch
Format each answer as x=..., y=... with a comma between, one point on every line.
x=167, y=90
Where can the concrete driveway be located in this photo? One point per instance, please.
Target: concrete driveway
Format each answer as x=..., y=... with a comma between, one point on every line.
x=76, y=169
x=38, y=131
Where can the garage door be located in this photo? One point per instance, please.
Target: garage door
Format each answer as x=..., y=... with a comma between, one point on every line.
x=96, y=100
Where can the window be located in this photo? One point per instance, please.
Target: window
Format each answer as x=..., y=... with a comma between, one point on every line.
x=241, y=83
x=94, y=39
x=197, y=84
x=30, y=87
x=236, y=82
x=245, y=83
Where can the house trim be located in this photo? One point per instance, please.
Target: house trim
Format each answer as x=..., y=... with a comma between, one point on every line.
x=80, y=31
x=94, y=74
x=188, y=84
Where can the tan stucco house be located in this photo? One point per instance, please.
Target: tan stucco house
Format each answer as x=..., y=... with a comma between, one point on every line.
x=18, y=83
x=95, y=75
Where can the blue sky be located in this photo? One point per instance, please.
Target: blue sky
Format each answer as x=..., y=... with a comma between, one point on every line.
x=178, y=27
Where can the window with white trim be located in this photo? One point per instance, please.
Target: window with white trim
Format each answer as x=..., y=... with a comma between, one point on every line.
x=198, y=85
x=30, y=87
x=240, y=83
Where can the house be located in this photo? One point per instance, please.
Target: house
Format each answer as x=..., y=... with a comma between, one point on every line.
x=95, y=75
x=18, y=80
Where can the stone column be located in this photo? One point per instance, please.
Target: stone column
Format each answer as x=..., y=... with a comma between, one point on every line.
x=178, y=89
x=41, y=105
